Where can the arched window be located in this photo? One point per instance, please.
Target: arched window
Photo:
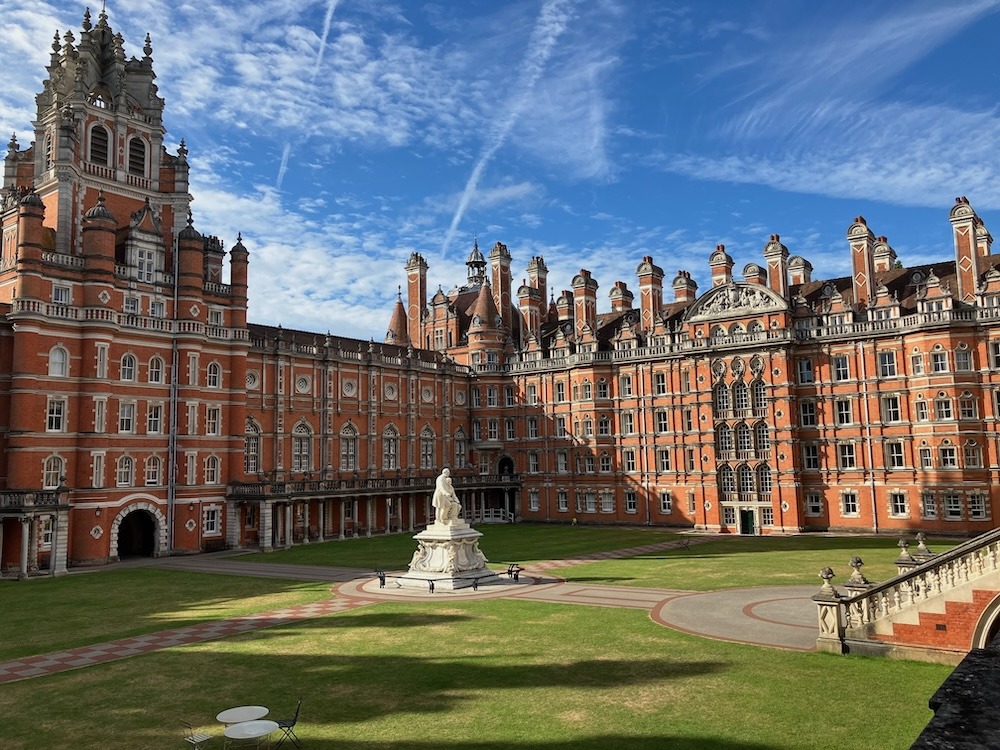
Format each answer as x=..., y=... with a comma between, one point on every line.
x=153, y=470
x=214, y=375
x=722, y=402
x=251, y=448
x=99, y=145
x=137, y=157
x=390, y=448
x=301, y=447
x=125, y=472
x=744, y=479
x=727, y=482
x=724, y=439
x=212, y=470
x=755, y=327
x=763, y=437
x=461, y=449
x=764, y=479
x=52, y=472
x=58, y=362
x=744, y=439
x=348, y=448
x=427, y=448
x=128, y=367
x=759, y=393
x=718, y=332
x=741, y=396
x=588, y=427
x=155, y=370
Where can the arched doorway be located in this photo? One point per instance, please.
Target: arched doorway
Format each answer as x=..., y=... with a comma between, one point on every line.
x=137, y=535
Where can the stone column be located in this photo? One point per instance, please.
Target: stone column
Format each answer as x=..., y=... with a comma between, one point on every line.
x=322, y=520
x=369, y=516
x=288, y=525
x=60, y=543
x=412, y=510
x=22, y=571
x=343, y=519
x=831, y=616
x=305, y=522
x=234, y=522
x=266, y=524
x=33, y=541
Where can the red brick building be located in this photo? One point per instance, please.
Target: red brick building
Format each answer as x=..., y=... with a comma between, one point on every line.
x=141, y=414
x=772, y=403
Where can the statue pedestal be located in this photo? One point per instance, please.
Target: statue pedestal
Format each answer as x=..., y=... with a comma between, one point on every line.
x=448, y=554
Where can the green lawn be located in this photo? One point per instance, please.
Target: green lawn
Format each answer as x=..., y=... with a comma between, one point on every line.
x=722, y=562
x=462, y=675
x=487, y=674
x=49, y=614
x=737, y=562
x=501, y=543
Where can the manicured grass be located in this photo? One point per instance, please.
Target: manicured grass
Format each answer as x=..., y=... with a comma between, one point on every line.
x=487, y=674
x=50, y=614
x=737, y=562
x=501, y=543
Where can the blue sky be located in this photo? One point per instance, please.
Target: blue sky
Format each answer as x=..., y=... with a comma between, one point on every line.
x=339, y=136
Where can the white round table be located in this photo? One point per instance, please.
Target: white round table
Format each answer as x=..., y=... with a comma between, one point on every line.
x=251, y=730
x=240, y=714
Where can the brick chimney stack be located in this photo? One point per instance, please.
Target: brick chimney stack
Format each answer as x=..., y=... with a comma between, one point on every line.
x=967, y=255
x=621, y=297
x=721, y=265
x=754, y=274
x=685, y=288
x=862, y=243
x=799, y=270
x=776, y=257
x=885, y=256
x=650, y=291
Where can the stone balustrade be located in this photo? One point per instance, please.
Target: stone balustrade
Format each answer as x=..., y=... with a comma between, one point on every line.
x=922, y=576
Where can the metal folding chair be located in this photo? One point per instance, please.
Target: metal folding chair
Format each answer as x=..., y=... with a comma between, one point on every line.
x=196, y=740
x=287, y=727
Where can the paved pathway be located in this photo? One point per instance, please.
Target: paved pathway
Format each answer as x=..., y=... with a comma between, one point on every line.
x=778, y=616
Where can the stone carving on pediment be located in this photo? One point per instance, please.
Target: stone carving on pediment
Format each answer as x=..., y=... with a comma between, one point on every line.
x=735, y=299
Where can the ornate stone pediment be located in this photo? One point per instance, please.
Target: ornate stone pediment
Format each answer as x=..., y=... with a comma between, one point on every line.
x=735, y=300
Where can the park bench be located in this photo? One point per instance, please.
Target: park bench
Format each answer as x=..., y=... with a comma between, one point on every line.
x=216, y=545
x=514, y=570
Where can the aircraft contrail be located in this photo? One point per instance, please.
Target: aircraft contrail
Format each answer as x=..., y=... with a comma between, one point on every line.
x=327, y=20
x=552, y=21
x=330, y=8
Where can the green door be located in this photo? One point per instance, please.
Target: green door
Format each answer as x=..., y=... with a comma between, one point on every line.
x=747, y=522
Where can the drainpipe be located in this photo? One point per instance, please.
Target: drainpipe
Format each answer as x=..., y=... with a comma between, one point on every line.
x=868, y=435
x=172, y=409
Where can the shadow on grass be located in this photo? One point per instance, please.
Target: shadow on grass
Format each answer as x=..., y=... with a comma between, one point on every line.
x=340, y=689
x=602, y=742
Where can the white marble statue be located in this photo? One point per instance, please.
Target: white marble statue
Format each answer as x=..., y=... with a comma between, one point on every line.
x=445, y=501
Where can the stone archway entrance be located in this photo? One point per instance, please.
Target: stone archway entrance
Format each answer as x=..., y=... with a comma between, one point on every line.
x=137, y=535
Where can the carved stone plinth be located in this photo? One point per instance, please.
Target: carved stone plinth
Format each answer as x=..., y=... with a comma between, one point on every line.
x=448, y=555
